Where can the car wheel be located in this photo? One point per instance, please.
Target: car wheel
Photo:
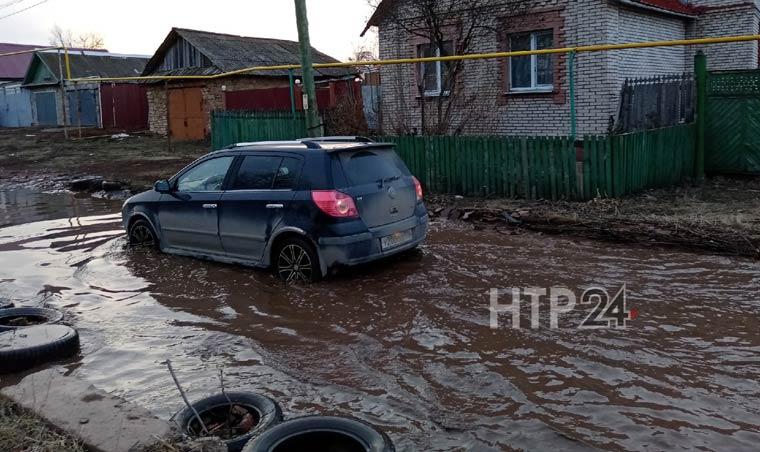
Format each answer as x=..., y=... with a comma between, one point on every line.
x=141, y=234
x=296, y=261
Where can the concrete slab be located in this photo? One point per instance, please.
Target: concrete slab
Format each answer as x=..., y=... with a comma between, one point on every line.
x=103, y=422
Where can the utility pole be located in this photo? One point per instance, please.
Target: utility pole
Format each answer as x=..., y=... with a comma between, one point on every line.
x=313, y=126
x=700, y=73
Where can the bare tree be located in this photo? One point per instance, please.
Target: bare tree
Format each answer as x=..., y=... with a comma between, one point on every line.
x=451, y=27
x=66, y=38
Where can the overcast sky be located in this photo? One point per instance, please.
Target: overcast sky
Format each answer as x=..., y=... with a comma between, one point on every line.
x=139, y=26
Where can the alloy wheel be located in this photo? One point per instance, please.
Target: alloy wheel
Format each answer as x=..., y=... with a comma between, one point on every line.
x=294, y=264
x=140, y=235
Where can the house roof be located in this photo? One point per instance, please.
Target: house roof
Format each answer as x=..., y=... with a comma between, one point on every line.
x=674, y=6
x=231, y=52
x=86, y=64
x=382, y=9
x=13, y=67
x=684, y=7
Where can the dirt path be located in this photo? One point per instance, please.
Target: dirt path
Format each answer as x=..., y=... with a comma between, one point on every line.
x=721, y=216
x=44, y=159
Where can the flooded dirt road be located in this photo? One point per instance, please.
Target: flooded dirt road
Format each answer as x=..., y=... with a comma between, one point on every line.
x=407, y=345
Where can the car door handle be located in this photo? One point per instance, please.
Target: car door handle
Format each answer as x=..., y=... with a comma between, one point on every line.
x=209, y=206
x=275, y=206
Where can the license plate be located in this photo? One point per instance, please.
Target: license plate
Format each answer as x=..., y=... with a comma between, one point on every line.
x=397, y=239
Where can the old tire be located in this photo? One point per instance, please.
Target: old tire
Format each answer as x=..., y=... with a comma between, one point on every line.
x=141, y=234
x=321, y=433
x=5, y=304
x=23, y=348
x=296, y=260
x=16, y=318
x=268, y=411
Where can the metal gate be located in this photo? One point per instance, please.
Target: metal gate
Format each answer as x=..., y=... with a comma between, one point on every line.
x=732, y=129
x=15, y=106
x=83, y=107
x=46, y=111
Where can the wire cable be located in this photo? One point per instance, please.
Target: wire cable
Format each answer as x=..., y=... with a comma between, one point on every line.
x=23, y=9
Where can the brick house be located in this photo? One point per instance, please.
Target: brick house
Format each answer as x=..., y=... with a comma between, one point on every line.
x=529, y=95
x=193, y=52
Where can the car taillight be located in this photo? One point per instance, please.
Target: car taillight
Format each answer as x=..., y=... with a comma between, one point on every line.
x=417, y=188
x=335, y=203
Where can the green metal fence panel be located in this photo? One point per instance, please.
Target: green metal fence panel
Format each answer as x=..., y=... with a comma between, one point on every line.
x=230, y=127
x=535, y=167
x=620, y=165
x=732, y=130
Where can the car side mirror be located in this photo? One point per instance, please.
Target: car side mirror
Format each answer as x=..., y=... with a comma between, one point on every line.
x=162, y=186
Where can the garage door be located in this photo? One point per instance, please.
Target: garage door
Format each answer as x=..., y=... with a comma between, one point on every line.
x=45, y=108
x=86, y=101
x=187, y=120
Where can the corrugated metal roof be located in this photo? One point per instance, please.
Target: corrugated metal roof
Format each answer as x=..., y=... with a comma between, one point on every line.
x=13, y=67
x=94, y=64
x=231, y=52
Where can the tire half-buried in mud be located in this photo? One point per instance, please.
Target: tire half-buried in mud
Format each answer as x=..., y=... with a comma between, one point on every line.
x=319, y=433
x=23, y=348
x=250, y=415
x=15, y=318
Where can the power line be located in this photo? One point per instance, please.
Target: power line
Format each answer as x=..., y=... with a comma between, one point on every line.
x=10, y=3
x=24, y=9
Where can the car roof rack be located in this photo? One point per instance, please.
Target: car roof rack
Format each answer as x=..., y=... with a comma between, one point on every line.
x=329, y=144
x=340, y=139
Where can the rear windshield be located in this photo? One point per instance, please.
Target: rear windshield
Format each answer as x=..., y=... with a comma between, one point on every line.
x=369, y=166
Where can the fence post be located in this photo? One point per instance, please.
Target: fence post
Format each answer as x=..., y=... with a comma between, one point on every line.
x=700, y=72
x=571, y=70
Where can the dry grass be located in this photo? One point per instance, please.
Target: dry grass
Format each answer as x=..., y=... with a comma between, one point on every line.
x=22, y=431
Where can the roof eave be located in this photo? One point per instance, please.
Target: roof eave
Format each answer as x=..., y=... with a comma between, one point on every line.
x=635, y=4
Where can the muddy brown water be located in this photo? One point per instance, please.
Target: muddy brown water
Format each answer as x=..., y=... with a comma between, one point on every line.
x=406, y=344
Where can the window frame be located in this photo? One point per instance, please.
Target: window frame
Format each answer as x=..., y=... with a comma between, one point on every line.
x=534, y=86
x=239, y=163
x=438, y=71
x=174, y=184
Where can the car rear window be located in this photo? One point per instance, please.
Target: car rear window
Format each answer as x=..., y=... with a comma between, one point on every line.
x=372, y=165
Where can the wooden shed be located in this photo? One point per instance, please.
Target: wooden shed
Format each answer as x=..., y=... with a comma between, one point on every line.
x=182, y=108
x=85, y=102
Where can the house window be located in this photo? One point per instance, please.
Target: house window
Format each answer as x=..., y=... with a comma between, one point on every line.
x=532, y=72
x=435, y=76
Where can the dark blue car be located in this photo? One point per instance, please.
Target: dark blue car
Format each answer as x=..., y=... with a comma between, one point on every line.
x=301, y=207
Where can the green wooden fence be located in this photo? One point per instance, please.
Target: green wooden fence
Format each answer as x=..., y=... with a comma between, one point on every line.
x=732, y=132
x=514, y=167
x=230, y=127
x=619, y=165
x=536, y=167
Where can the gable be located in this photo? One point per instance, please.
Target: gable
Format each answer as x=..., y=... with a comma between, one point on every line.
x=183, y=54
x=39, y=73
x=194, y=52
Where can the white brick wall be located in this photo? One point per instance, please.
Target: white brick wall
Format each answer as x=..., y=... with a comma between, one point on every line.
x=485, y=109
x=727, y=18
